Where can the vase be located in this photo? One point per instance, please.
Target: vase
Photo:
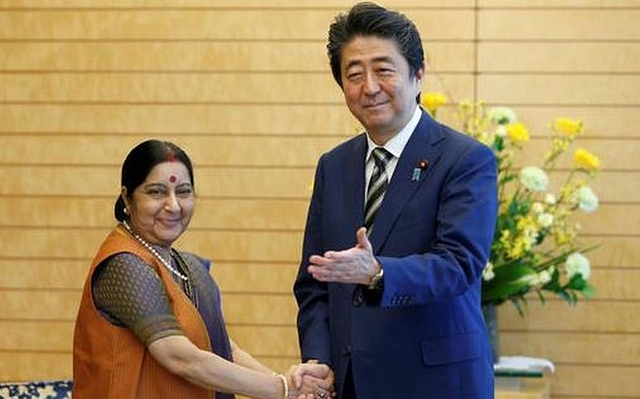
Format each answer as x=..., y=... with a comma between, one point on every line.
x=490, y=313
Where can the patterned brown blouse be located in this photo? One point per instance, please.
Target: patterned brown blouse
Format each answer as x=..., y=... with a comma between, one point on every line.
x=129, y=293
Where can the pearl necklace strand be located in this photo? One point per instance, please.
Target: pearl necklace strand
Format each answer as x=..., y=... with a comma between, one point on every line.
x=154, y=252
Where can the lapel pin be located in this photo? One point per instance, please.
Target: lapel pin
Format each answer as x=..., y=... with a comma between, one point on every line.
x=417, y=171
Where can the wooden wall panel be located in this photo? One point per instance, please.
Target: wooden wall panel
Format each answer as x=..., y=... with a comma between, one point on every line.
x=259, y=151
x=195, y=87
x=612, y=316
x=611, y=282
x=265, y=151
x=199, y=56
x=159, y=23
x=218, y=214
x=232, y=276
x=612, y=278
x=551, y=4
x=233, y=183
x=154, y=56
x=267, y=309
x=569, y=24
x=563, y=57
x=35, y=305
x=263, y=277
x=83, y=81
x=227, y=214
x=596, y=381
x=206, y=24
x=576, y=59
x=31, y=365
x=617, y=250
x=337, y=5
x=285, y=215
x=44, y=273
x=230, y=245
x=38, y=335
x=600, y=120
x=612, y=152
x=616, y=283
x=593, y=90
x=176, y=120
x=270, y=341
x=219, y=182
x=576, y=347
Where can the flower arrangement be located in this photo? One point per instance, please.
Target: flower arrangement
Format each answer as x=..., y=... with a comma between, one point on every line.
x=535, y=247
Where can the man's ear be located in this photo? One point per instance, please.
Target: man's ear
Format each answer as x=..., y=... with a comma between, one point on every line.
x=420, y=75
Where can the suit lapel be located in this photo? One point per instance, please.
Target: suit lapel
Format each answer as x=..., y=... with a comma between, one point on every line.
x=354, y=182
x=421, y=152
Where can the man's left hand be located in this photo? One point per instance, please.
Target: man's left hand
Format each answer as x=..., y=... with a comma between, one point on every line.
x=354, y=265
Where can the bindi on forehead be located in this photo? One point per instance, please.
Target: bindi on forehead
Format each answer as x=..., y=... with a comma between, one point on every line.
x=173, y=178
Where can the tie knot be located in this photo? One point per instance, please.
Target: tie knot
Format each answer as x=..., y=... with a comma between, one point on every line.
x=381, y=157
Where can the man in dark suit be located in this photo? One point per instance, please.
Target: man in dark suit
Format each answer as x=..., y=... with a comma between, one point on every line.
x=394, y=306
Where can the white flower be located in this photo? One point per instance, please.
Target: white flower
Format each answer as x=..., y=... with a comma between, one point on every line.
x=586, y=199
x=501, y=131
x=529, y=236
x=545, y=220
x=502, y=115
x=534, y=179
x=488, y=273
x=537, y=207
x=544, y=277
x=577, y=264
x=550, y=198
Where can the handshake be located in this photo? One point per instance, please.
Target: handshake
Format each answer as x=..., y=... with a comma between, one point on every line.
x=310, y=380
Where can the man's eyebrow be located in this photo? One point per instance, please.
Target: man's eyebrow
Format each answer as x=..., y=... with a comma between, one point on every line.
x=382, y=58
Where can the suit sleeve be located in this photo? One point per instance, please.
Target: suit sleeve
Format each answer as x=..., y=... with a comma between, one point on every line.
x=312, y=295
x=465, y=222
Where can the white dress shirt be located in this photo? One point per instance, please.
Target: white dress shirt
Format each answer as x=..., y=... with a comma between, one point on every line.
x=395, y=146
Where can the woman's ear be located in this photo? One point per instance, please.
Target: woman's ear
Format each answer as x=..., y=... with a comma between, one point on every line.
x=123, y=195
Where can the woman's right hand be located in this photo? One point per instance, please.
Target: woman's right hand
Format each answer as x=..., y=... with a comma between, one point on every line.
x=310, y=380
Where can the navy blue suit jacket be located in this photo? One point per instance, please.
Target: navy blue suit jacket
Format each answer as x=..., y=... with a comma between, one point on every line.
x=425, y=336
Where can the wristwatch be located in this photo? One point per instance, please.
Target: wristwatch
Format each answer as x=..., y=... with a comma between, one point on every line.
x=377, y=281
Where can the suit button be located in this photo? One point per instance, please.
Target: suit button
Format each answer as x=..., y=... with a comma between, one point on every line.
x=346, y=351
x=358, y=297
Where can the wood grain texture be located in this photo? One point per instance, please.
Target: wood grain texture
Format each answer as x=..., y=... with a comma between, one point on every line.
x=147, y=23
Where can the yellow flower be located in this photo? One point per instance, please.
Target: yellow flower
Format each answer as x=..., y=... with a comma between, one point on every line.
x=518, y=132
x=518, y=249
x=585, y=160
x=568, y=126
x=432, y=101
x=561, y=237
x=534, y=231
x=505, y=238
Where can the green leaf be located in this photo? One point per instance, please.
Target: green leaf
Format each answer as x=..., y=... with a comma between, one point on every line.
x=498, y=143
x=589, y=291
x=577, y=282
x=509, y=281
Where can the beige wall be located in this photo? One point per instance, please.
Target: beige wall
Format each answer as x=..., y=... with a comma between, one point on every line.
x=244, y=86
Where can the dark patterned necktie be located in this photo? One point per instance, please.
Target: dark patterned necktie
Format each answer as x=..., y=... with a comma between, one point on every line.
x=377, y=186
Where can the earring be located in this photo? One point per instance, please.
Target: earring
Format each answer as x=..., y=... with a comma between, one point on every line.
x=126, y=210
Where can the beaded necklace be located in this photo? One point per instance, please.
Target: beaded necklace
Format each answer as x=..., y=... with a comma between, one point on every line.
x=154, y=252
